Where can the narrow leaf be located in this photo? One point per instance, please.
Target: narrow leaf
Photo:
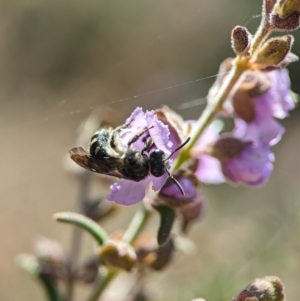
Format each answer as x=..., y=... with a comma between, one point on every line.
x=83, y=222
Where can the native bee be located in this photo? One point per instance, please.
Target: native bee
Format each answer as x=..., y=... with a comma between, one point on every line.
x=106, y=155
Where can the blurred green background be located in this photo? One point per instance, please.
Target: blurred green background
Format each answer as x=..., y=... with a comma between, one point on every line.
x=60, y=59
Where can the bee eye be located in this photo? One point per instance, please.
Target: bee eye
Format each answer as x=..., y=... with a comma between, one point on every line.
x=157, y=154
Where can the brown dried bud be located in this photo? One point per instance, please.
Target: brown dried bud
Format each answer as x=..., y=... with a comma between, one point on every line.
x=289, y=23
x=246, y=296
x=273, y=52
x=254, y=84
x=285, y=8
x=118, y=254
x=240, y=40
x=226, y=148
x=191, y=212
x=243, y=105
x=269, y=288
x=151, y=255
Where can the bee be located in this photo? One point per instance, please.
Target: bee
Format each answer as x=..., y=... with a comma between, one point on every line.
x=106, y=155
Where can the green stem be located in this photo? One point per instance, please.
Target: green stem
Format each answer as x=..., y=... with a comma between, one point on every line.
x=103, y=282
x=211, y=110
x=76, y=238
x=50, y=287
x=136, y=226
x=260, y=36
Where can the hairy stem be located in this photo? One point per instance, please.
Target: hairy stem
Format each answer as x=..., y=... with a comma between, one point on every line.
x=212, y=109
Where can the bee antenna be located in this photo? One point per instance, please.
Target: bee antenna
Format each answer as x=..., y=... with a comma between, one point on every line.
x=178, y=148
x=175, y=181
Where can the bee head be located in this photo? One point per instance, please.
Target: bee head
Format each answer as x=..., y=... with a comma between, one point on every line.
x=157, y=163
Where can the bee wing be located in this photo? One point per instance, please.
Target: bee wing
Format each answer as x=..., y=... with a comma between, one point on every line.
x=107, y=166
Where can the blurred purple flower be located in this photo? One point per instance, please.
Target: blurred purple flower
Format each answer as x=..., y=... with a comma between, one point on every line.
x=128, y=192
x=276, y=102
x=209, y=168
x=252, y=166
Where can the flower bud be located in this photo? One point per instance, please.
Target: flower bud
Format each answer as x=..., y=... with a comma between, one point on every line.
x=269, y=288
x=246, y=296
x=151, y=255
x=273, y=52
x=171, y=195
x=289, y=23
x=240, y=39
x=191, y=213
x=285, y=8
x=118, y=254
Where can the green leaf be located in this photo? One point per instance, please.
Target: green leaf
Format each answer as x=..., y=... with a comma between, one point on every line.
x=83, y=222
x=167, y=217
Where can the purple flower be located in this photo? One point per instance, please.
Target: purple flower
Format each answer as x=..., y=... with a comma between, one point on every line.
x=252, y=166
x=128, y=192
x=209, y=168
x=276, y=102
x=170, y=189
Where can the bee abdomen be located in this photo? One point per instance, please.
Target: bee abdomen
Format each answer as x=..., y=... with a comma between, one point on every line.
x=98, y=144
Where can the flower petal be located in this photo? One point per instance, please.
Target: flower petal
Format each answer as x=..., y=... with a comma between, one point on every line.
x=209, y=170
x=126, y=192
x=159, y=132
x=253, y=166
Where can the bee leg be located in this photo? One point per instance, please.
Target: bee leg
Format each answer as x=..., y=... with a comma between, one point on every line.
x=148, y=142
x=175, y=181
x=136, y=137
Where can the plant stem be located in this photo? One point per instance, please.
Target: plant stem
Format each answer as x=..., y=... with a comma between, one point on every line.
x=103, y=282
x=76, y=238
x=50, y=287
x=212, y=109
x=136, y=226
